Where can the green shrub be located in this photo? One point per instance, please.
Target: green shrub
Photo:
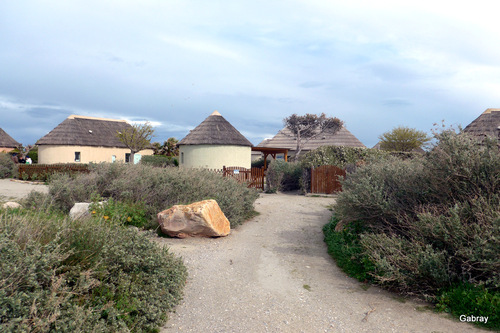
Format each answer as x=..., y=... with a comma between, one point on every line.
x=132, y=213
x=8, y=168
x=345, y=248
x=431, y=222
x=157, y=188
x=33, y=154
x=283, y=176
x=63, y=275
x=159, y=160
x=468, y=299
x=339, y=156
x=259, y=163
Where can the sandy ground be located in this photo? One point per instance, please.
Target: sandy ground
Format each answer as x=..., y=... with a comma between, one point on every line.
x=273, y=274
x=13, y=190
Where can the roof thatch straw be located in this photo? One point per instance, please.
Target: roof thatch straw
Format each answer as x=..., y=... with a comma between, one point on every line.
x=6, y=141
x=285, y=139
x=487, y=124
x=215, y=130
x=86, y=131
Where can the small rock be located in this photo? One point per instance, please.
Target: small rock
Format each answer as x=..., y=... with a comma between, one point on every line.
x=79, y=210
x=203, y=219
x=11, y=205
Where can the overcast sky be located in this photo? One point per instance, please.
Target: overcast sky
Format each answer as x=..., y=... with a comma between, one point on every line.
x=373, y=64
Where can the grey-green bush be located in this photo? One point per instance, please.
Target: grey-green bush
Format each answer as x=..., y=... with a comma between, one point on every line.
x=8, y=168
x=157, y=188
x=434, y=220
x=82, y=276
x=283, y=176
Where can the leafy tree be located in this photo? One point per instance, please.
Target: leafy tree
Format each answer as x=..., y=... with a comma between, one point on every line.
x=403, y=138
x=310, y=126
x=136, y=137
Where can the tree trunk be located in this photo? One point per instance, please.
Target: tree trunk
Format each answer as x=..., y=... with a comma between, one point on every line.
x=299, y=147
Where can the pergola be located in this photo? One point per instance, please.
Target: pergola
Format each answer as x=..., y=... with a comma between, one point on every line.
x=271, y=151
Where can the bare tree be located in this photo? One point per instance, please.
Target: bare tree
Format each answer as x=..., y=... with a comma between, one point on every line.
x=136, y=137
x=310, y=126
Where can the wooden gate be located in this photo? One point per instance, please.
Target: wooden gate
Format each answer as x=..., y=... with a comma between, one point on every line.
x=325, y=179
x=254, y=176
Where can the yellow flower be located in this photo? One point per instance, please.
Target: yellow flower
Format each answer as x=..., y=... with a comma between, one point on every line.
x=129, y=219
x=93, y=212
x=106, y=217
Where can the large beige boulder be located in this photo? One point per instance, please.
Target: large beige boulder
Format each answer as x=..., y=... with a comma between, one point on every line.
x=203, y=219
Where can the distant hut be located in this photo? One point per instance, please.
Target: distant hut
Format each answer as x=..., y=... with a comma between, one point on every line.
x=487, y=124
x=7, y=143
x=80, y=139
x=285, y=139
x=213, y=144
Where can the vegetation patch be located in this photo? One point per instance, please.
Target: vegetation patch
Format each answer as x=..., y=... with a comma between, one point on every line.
x=429, y=226
x=154, y=189
x=82, y=276
x=345, y=248
x=283, y=176
x=161, y=161
x=8, y=168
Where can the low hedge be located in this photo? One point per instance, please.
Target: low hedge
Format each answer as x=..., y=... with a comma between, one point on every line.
x=156, y=189
x=159, y=160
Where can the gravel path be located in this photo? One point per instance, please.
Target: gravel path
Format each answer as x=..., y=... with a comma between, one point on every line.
x=14, y=189
x=273, y=274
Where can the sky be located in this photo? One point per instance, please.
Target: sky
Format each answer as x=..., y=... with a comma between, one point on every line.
x=375, y=65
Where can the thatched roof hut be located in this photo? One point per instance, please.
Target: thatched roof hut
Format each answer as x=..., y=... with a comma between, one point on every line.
x=86, y=131
x=215, y=130
x=86, y=139
x=487, y=124
x=213, y=144
x=7, y=143
x=285, y=139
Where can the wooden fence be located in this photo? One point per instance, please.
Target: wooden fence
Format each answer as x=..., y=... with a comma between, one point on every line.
x=254, y=176
x=43, y=171
x=325, y=179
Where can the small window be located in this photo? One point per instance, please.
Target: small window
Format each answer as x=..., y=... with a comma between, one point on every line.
x=77, y=156
x=127, y=157
x=182, y=158
x=113, y=158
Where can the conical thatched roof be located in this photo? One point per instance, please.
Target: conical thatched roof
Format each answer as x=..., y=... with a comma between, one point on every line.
x=487, y=124
x=86, y=131
x=215, y=130
x=285, y=139
x=6, y=141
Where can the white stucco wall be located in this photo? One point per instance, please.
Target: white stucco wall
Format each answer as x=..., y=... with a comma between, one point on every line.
x=214, y=156
x=66, y=154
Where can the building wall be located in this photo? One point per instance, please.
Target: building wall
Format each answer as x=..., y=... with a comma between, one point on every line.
x=214, y=156
x=66, y=154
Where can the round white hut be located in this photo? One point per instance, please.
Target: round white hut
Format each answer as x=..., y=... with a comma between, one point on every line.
x=213, y=144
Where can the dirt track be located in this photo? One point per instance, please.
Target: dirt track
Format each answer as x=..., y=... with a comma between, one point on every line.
x=14, y=190
x=273, y=274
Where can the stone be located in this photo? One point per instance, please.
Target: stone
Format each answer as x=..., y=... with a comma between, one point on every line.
x=199, y=219
x=11, y=205
x=79, y=210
